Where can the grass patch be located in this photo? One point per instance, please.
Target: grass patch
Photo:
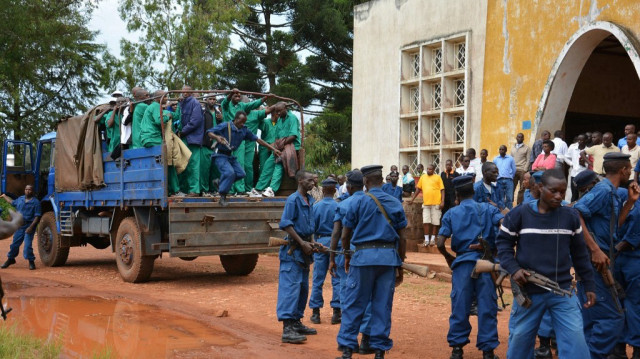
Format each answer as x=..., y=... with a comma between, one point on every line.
x=14, y=344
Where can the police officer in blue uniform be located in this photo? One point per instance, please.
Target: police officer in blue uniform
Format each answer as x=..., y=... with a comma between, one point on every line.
x=293, y=279
x=392, y=187
x=229, y=136
x=465, y=224
x=323, y=213
x=601, y=211
x=374, y=223
x=29, y=207
x=485, y=191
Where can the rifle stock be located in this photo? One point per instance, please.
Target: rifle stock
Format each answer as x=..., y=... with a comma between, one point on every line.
x=614, y=289
x=275, y=241
x=485, y=266
x=420, y=270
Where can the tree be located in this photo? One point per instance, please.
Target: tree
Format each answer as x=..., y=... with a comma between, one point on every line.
x=328, y=141
x=50, y=65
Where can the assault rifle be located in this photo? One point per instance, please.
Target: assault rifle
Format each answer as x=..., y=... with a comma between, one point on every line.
x=484, y=266
x=488, y=255
x=616, y=290
x=420, y=270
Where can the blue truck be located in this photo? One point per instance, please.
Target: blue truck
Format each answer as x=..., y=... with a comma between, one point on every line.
x=89, y=198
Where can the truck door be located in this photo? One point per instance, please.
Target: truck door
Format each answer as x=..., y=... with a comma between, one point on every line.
x=17, y=167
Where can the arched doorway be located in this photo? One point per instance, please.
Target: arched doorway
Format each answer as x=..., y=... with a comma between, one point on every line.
x=593, y=85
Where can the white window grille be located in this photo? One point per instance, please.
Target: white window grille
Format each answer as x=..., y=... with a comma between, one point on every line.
x=435, y=131
x=461, y=56
x=415, y=64
x=459, y=85
x=413, y=125
x=436, y=61
x=458, y=128
x=436, y=96
x=415, y=98
x=435, y=161
x=456, y=158
x=413, y=163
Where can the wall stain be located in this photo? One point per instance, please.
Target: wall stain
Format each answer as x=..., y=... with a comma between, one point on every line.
x=591, y=16
x=506, y=58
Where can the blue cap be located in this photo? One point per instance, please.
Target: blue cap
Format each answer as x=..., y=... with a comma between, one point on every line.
x=461, y=181
x=329, y=182
x=367, y=170
x=355, y=178
x=537, y=176
x=615, y=156
x=584, y=178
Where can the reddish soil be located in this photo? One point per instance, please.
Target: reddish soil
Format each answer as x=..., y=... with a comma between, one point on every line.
x=200, y=290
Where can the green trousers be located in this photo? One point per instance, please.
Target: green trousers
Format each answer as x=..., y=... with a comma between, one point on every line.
x=249, y=154
x=190, y=178
x=208, y=171
x=270, y=175
x=238, y=186
x=263, y=155
x=174, y=185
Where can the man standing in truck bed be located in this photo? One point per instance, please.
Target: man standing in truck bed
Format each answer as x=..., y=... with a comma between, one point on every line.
x=29, y=207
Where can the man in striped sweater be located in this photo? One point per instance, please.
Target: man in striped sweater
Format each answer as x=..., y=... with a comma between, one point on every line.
x=549, y=241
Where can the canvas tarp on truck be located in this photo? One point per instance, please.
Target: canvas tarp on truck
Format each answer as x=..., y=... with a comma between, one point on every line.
x=78, y=155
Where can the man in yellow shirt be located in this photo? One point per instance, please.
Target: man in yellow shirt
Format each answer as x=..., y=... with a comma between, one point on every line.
x=432, y=189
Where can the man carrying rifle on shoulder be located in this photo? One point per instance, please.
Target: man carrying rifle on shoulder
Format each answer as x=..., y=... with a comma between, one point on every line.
x=549, y=240
x=601, y=211
x=468, y=225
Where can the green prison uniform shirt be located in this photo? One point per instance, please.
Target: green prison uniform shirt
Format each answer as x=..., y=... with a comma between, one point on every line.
x=289, y=127
x=138, y=114
x=229, y=109
x=150, y=129
x=254, y=118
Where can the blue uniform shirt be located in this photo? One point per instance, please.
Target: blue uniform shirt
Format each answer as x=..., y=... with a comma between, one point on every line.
x=630, y=231
x=395, y=192
x=237, y=135
x=527, y=196
x=297, y=213
x=482, y=195
x=465, y=223
x=369, y=225
x=341, y=210
x=29, y=210
x=323, y=213
x=596, y=207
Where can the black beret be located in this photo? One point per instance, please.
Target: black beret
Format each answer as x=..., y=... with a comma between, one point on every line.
x=329, y=182
x=367, y=170
x=462, y=181
x=584, y=178
x=616, y=156
x=355, y=178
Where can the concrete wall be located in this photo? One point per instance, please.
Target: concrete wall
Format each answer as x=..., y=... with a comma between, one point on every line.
x=381, y=29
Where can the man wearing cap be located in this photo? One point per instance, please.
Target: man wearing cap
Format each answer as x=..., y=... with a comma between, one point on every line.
x=549, y=241
x=375, y=224
x=293, y=279
x=392, y=187
x=323, y=212
x=192, y=134
x=601, y=211
x=485, y=190
x=465, y=224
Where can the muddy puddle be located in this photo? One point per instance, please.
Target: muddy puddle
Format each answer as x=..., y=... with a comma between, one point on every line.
x=86, y=326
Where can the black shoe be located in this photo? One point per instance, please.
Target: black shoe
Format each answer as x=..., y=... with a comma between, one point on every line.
x=32, y=265
x=337, y=316
x=346, y=353
x=223, y=200
x=379, y=354
x=9, y=262
x=619, y=352
x=303, y=329
x=488, y=354
x=315, y=317
x=456, y=353
x=636, y=353
x=544, y=350
x=364, y=348
x=290, y=335
x=474, y=308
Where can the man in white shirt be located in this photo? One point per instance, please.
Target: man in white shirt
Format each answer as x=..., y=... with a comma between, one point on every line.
x=631, y=148
x=572, y=159
x=560, y=149
x=475, y=163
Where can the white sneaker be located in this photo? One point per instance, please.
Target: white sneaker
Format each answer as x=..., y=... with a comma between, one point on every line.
x=254, y=193
x=268, y=192
x=207, y=194
x=432, y=242
x=179, y=194
x=425, y=243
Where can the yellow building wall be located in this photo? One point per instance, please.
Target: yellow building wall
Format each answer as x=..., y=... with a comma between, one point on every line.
x=524, y=39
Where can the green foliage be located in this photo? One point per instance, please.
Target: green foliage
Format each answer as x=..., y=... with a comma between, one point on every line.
x=241, y=70
x=328, y=140
x=25, y=346
x=5, y=207
x=49, y=64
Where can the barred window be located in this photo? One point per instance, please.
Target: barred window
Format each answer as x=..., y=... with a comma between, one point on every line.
x=461, y=56
x=436, y=61
x=435, y=161
x=415, y=64
x=459, y=128
x=435, y=131
x=436, y=96
x=459, y=86
x=413, y=163
x=413, y=125
x=415, y=98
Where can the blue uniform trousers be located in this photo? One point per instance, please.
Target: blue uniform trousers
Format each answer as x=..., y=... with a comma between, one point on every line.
x=364, y=326
x=603, y=324
x=546, y=327
x=22, y=236
x=505, y=185
x=293, y=290
x=230, y=171
x=463, y=288
x=627, y=273
x=320, y=267
x=566, y=320
x=366, y=285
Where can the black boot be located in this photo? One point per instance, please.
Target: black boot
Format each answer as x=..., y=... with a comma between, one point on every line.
x=544, y=350
x=488, y=354
x=456, y=353
x=337, y=316
x=9, y=262
x=636, y=353
x=474, y=308
x=619, y=352
x=32, y=265
x=379, y=354
x=346, y=353
x=303, y=329
x=289, y=334
x=223, y=200
x=364, y=346
x=315, y=317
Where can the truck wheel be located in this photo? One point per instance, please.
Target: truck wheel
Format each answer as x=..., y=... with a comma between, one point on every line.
x=240, y=264
x=188, y=259
x=132, y=265
x=52, y=254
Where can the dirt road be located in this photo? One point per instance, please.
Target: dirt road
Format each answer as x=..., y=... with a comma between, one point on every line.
x=197, y=310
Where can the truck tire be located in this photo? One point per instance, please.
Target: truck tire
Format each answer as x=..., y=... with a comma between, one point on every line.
x=188, y=259
x=240, y=264
x=132, y=265
x=50, y=249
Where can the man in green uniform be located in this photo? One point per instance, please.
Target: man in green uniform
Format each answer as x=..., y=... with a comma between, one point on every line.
x=254, y=119
x=138, y=113
x=208, y=171
x=151, y=134
x=287, y=131
x=267, y=134
x=112, y=121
